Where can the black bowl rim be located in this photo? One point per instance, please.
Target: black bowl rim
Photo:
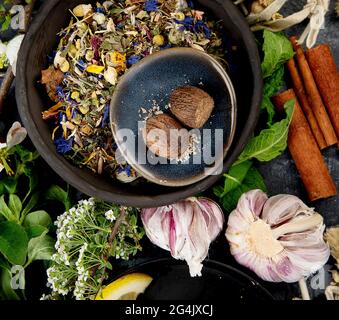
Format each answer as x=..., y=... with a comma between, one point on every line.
x=65, y=169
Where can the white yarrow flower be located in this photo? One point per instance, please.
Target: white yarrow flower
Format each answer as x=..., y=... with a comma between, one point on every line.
x=110, y=215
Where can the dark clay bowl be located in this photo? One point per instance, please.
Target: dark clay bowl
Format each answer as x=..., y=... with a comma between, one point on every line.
x=245, y=73
x=173, y=68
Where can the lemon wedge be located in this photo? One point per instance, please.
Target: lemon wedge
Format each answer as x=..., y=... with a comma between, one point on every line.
x=125, y=288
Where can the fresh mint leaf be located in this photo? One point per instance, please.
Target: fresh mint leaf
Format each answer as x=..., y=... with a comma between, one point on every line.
x=4, y=263
x=8, y=185
x=6, y=288
x=275, y=82
x=26, y=155
x=271, y=142
x=277, y=50
x=5, y=22
x=35, y=231
x=234, y=178
x=40, y=218
x=56, y=193
x=5, y=211
x=41, y=248
x=31, y=204
x=15, y=205
x=253, y=180
x=32, y=177
x=13, y=242
x=271, y=86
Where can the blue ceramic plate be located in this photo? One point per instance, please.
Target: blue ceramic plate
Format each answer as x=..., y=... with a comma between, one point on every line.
x=150, y=83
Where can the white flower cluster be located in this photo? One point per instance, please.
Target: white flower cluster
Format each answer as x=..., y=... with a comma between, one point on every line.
x=82, y=250
x=67, y=225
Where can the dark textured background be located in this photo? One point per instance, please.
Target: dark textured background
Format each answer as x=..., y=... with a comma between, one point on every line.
x=280, y=176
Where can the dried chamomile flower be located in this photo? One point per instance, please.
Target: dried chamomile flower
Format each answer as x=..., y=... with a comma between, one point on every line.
x=111, y=75
x=82, y=10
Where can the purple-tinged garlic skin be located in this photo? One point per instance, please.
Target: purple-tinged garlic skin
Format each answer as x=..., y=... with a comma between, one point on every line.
x=280, y=239
x=186, y=229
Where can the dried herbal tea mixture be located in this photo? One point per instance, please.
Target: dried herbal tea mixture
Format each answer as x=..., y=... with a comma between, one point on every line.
x=99, y=45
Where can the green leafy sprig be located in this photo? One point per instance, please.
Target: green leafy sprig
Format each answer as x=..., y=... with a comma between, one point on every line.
x=89, y=236
x=271, y=141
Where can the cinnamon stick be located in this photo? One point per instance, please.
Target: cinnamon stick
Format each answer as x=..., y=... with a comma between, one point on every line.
x=305, y=152
x=302, y=97
x=326, y=75
x=315, y=100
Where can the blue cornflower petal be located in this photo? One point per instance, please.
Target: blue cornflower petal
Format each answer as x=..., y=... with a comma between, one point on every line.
x=51, y=57
x=62, y=117
x=81, y=65
x=100, y=10
x=63, y=146
x=133, y=59
x=105, y=119
x=207, y=32
x=127, y=169
x=151, y=5
x=165, y=46
x=190, y=3
x=188, y=21
x=74, y=113
x=60, y=93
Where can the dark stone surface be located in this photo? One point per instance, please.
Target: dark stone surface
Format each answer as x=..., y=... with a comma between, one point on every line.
x=280, y=175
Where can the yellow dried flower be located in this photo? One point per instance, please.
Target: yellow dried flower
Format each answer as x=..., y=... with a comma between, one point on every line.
x=119, y=61
x=158, y=40
x=75, y=95
x=95, y=69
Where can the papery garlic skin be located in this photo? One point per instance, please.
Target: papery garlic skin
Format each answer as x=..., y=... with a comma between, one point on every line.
x=186, y=229
x=280, y=239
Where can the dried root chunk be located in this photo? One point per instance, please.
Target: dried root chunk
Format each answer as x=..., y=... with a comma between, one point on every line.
x=52, y=78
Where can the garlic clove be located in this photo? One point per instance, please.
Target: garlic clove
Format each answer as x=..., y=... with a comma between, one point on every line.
x=281, y=208
x=186, y=229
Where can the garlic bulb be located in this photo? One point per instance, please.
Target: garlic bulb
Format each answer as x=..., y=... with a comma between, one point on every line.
x=186, y=229
x=280, y=239
x=332, y=238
